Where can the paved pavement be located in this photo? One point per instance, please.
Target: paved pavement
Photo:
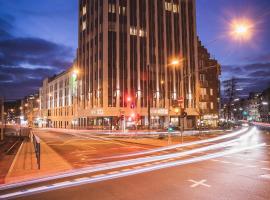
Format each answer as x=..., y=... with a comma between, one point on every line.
x=236, y=167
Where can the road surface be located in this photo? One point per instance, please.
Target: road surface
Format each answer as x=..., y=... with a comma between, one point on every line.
x=236, y=166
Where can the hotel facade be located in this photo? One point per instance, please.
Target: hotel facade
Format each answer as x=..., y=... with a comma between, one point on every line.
x=126, y=59
x=58, y=101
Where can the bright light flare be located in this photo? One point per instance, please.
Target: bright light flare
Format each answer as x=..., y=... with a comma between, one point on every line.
x=242, y=29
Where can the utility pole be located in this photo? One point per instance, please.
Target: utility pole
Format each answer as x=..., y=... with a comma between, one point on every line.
x=2, y=118
x=230, y=92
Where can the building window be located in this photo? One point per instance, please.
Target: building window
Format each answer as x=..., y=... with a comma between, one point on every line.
x=202, y=77
x=212, y=105
x=111, y=8
x=84, y=10
x=203, y=91
x=84, y=25
x=168, y=6
x=175, y=8
x=122, y=10
x=133, y=31
x=203, y=105
x=211, y=92
x=142, y=33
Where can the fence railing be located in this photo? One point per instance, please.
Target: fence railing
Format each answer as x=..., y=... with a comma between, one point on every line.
x=36, y=142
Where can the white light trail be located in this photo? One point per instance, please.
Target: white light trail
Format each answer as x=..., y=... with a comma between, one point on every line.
x=136, y=161
x=125, y=173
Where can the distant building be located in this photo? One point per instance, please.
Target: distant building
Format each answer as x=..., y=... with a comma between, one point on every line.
x=209, y=72
x=264, y=108
x=12, y=111
x=58, y=100
x=30, y=112
x=254, y=102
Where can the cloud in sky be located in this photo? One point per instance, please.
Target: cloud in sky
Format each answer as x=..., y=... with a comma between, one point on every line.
x=251, y=77
x=26, y=61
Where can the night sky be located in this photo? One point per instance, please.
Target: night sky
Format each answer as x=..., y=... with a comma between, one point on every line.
x=39, y=38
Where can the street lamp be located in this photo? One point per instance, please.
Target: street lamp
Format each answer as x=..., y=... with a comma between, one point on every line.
x=264, y=103
x=241, y=29
x=75, y=73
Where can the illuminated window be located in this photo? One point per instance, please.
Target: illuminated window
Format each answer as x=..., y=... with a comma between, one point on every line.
x=211, y=92
x=168, y=6
x=203, y=105
x=203, y=91
x=175, y=8
x=212, y=105
x=84, y=10
x=142, y=33
x=133, y=31
x=122, y=10
x=84, y=25
x=111, y=8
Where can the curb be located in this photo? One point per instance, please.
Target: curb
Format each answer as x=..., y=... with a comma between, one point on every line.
x=15, y=159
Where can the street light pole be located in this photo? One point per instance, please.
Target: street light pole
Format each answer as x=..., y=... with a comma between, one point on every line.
x=2, y=118
x=148, y=99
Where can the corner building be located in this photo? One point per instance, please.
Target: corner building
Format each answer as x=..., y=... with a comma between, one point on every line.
x=124, y=54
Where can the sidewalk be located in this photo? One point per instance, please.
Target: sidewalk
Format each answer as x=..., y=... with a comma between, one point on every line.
x=24, y=166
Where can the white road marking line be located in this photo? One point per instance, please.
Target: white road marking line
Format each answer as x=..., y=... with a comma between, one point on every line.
x=268, y=169
x=198, y=183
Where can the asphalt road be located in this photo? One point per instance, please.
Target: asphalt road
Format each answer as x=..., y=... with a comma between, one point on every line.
x=237, y=167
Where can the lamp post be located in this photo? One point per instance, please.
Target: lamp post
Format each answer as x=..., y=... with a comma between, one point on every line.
x=148, y=98
x=2, y=118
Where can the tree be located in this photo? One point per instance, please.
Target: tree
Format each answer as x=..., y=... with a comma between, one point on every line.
x=230, y=93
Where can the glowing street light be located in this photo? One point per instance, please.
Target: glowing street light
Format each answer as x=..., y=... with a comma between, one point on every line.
x=175, y=62
x=75, y=73
x=264, y=103
x=241, y=29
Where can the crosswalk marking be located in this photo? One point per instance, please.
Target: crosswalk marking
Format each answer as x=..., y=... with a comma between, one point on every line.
x=199, y=183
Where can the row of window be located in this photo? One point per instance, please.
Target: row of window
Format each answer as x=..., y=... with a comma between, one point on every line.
x=59, y=112
x=203, y=105
x=204, y=91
